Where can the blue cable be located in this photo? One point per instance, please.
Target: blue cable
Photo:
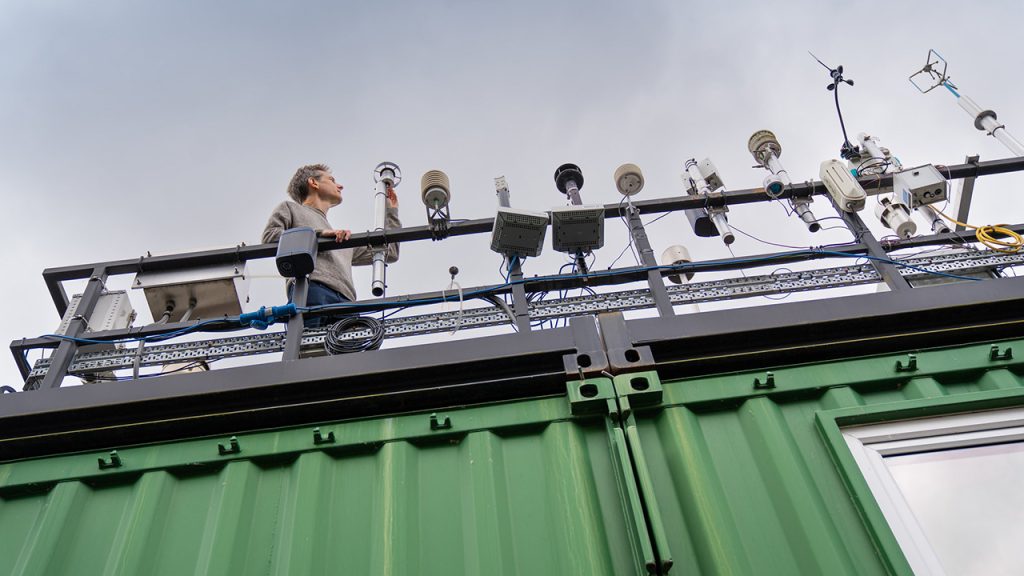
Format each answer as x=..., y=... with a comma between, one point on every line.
x=950, y=88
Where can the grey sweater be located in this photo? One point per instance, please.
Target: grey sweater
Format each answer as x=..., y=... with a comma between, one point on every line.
x=334, y=267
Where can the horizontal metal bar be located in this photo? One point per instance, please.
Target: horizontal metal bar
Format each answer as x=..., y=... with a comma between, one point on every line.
x=244, y=253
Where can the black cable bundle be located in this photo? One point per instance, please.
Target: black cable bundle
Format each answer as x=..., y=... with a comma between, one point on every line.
x=334, y=345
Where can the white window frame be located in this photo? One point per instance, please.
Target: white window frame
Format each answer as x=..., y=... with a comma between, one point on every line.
x=870, y=444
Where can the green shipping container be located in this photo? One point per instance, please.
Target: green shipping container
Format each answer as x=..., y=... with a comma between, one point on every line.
x=739, y=473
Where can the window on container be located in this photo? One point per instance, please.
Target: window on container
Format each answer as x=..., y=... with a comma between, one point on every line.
x=951, y=488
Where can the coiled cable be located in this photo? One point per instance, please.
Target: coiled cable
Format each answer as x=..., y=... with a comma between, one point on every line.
x=996, y=237
x=334, y=344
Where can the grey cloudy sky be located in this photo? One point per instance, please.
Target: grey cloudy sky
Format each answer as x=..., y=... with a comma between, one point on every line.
x=128, y=127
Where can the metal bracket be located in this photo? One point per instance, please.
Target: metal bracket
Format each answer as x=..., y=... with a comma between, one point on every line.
x=319, y=438
x=623, y=356
x=911, y=365
x=114, y=462
x=994, y=354
x=591, y=396
x=768, y=384
x=233, y=448
x=440, y=422
x=638, y=389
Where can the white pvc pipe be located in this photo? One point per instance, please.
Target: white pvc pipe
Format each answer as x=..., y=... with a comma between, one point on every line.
x=379, y=216
x=986, y=120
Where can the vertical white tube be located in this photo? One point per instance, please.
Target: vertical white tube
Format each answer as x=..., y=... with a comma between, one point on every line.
x=379, y=216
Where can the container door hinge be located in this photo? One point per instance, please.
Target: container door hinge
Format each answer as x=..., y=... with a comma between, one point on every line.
x=994, y=354
x=319, y=438
x=113, y=462
x=911, y=365
x=233, y=447
x=440, y=422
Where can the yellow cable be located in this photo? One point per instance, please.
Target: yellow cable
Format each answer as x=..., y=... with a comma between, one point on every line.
x=1011, y=243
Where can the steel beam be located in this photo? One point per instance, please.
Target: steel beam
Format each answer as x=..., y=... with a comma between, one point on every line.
x=295, y=323
x=860, y=231
x=282, y=393
x=495, y=368
x=654, y=278
x=966, y=195
x=818, y=330
x=65, y=353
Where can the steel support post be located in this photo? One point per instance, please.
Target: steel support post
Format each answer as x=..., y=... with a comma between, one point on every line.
x=654, y=279
x=966, y=194
x=520, y=306
x=863, y=235
x=294, y=337
x=61, y=359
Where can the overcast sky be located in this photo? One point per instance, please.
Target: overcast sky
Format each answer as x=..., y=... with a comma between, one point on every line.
x=132, y=126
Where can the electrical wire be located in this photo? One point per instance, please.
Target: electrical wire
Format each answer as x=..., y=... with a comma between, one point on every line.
x=989, y=235
x=334, y=344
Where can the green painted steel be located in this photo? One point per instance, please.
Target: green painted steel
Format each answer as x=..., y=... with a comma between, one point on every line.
x=748, y=471
x=518, y=488
x=741, y=473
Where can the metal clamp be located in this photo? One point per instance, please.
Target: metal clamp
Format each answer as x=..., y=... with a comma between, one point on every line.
x=233, y=448
x=911, y=365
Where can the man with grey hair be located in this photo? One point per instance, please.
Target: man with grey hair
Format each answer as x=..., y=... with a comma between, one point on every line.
x=313, y=191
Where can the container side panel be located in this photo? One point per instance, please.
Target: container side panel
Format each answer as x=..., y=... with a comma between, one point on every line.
x=534, y=498
x=745, y=482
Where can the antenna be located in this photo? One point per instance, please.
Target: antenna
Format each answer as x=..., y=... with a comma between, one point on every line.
x=984, y=120
x=847, y=150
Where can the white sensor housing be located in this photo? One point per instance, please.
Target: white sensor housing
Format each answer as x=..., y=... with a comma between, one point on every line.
x=435, y=189
x=920, y=186
x=895, y=216
x=710, y=174
x=628, y=179
x=847, y=193
x=673, y=256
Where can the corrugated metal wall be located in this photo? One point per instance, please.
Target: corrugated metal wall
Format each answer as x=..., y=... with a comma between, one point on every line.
x=710, y=475
x=520, y=488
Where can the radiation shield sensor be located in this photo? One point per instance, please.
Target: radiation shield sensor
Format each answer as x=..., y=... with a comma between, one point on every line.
x=577, y=228
x=435, y=191
x=519, y=232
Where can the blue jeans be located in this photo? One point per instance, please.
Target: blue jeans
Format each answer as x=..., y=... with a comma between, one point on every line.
x=318, y=295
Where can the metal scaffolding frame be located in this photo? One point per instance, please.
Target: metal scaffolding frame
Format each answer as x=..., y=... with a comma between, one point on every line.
x=530, y=363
